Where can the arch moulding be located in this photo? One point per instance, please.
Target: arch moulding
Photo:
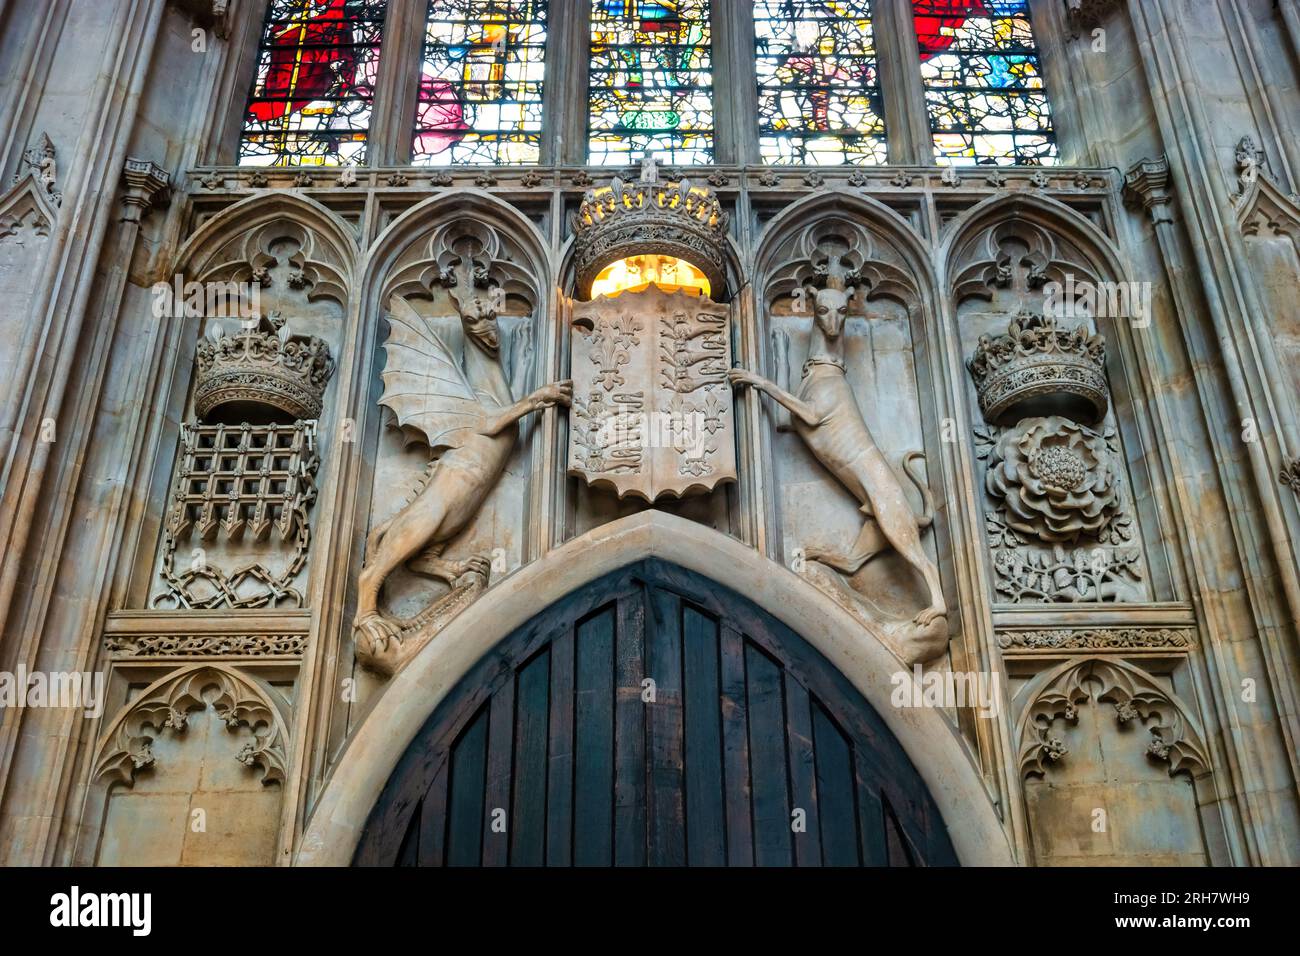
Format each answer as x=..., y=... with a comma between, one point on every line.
x=334, y=829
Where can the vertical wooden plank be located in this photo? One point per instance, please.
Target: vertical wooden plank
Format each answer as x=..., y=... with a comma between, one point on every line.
x=629, y=734
x=500, y=763
x=706, y=826
x=767, y=757
x=898, y=851
x=803, y=772
x=559, y=765
x=836, y=800
x=408, y=854
x=735, y=750
x=433, y=819
x=465, y=820
x=528, y=800
x=593, y=772
x=871, y=819
x=664, y=724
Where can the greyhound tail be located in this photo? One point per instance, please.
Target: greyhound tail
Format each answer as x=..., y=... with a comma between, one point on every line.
x=927, y=497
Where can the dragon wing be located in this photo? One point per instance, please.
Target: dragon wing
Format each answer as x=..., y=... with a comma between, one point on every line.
x=424, y=385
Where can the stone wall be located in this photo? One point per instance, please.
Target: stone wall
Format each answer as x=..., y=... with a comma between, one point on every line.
x=1143, y=635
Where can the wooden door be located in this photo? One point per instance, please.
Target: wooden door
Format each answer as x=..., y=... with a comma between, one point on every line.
x=654, y=718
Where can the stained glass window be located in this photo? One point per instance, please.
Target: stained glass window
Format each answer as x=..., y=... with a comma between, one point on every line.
x=983, y=85
x=818, y=85
x=311, y=101
x=481, y=82
x=651, y=82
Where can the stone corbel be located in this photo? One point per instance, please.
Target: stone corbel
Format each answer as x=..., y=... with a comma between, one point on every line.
x=1147, y=185
x=216, y=14
x=143, y=184
x=1084, y=15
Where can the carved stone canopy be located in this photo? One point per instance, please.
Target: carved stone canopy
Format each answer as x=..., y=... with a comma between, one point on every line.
x=672, y=218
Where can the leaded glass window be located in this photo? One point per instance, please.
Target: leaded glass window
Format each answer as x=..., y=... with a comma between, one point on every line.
x=650, y=82
x=818, y=83
x=481, y=82
x=311, y=101
x=983, y=85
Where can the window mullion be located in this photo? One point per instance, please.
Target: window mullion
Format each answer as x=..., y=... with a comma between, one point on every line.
x=907, y=123
x=565, y=102
x=397, y=84
x=735, y=93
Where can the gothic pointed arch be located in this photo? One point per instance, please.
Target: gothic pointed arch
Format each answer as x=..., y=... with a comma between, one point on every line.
x=1059, y=238
x=234, y=244
x=165, y=706
x=377, y=744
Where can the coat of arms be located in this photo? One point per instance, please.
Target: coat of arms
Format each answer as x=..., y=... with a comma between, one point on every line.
x=652, y=411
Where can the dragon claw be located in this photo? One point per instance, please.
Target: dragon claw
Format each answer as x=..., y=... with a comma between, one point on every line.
x=374, y=631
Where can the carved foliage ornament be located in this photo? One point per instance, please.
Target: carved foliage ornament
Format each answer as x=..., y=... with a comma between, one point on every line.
x=206, y=645
x=1137, y=700
x=238, y=700
x=652, y=414
x=1097, y=638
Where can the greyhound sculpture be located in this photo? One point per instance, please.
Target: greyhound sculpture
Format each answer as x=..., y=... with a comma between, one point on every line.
x=825, y=415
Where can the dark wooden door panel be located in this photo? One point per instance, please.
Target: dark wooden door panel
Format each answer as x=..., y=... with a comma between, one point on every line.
x=654, y=718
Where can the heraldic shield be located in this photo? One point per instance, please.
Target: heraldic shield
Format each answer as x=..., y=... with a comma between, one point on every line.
x=652, y=412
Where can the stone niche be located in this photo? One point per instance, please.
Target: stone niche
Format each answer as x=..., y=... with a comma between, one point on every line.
x=431, y=280
x=192, y=772
x=1061, y=518
x=881, y=354
x=258, y=422
x=1111, y=766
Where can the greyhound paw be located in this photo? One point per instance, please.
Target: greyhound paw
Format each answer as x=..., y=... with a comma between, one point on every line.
x=929, y=616
x=479, y=565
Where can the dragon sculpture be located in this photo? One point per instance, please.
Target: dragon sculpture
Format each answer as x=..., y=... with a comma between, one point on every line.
x=463, y=407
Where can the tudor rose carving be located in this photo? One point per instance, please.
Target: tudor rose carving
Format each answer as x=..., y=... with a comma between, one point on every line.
x=460, y=405
x=826, y=416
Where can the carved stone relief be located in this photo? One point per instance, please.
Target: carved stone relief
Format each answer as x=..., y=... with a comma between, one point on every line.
x=1097, y=638
x=239, y=484
x=206, y=645
x=450, y=385
x=652, y=414
x=237, y=533
x=1060, y=524
x=237, y=699
x=1112, y=766
x=207, y=744
x=1060, y=528
x=670, y=217
x=1135, y=698
x=835, y=271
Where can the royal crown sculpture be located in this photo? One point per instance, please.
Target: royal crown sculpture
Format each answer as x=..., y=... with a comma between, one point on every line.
x=1038, y=369
x=261, y=372
x=649, y=217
